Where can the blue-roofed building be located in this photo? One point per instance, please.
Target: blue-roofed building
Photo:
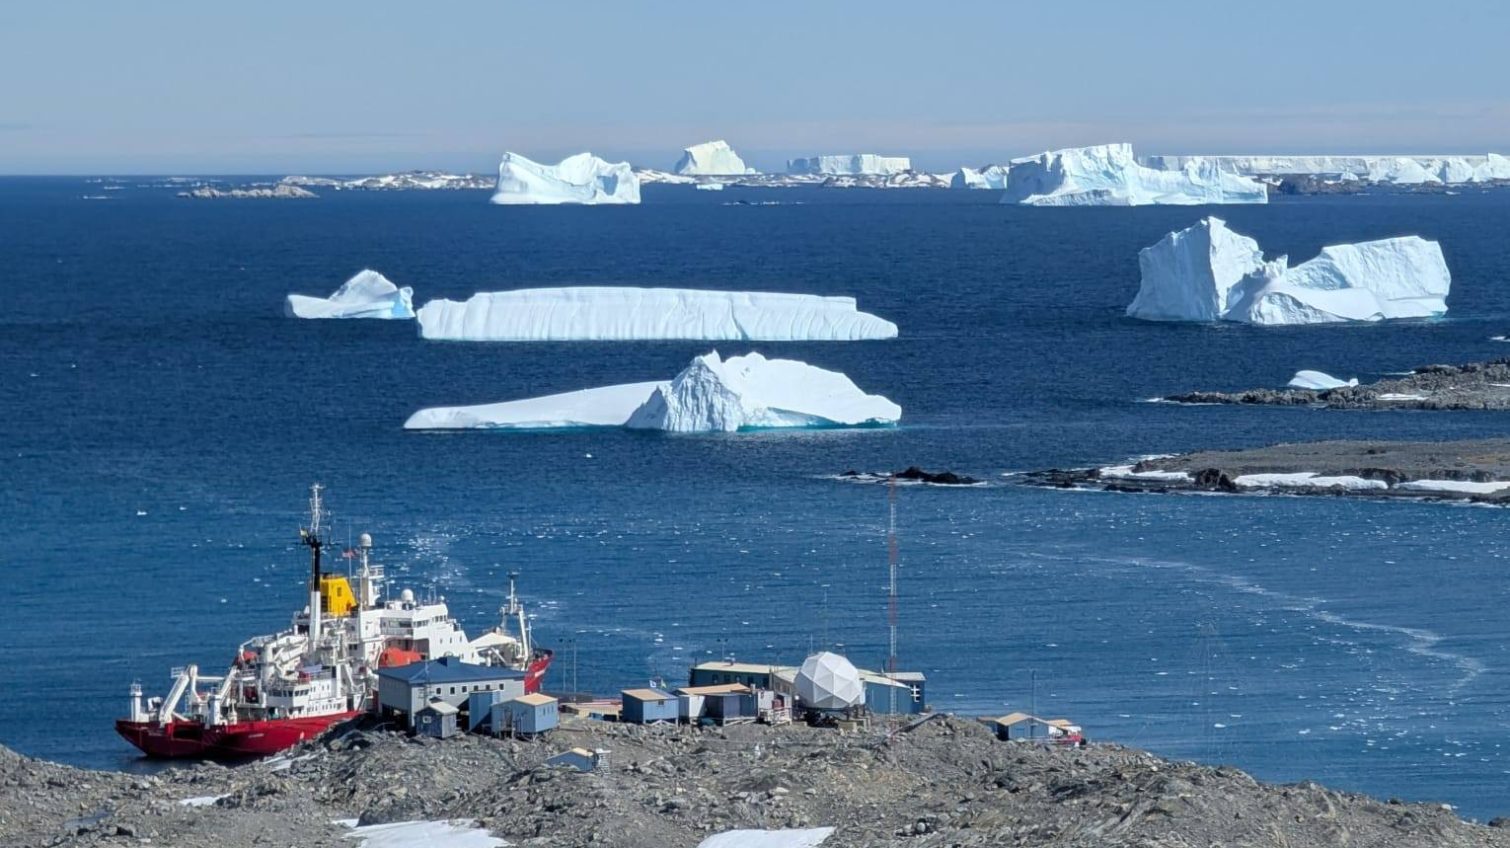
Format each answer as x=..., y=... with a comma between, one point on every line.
x=404, y=690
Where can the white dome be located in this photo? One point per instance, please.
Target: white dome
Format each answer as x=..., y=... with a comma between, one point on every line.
x=828, y=681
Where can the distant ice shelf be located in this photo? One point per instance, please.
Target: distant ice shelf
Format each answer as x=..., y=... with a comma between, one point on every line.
x=1109, y=175
x=599, y=313
x=1381, y=169
x=746, y=392
x=849, y=164
x=711, y=158
x=1207, y=272
x=368, y=294
x=580, y=179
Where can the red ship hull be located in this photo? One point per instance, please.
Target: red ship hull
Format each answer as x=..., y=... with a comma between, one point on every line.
x=534, y=673
x=178, y=739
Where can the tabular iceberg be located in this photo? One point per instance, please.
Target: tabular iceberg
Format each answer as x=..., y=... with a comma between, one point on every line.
x=1207, y=272
x=849, y=164
x=1394, y=170
x=605, y=313
x=989, y=177
x=710, y=395
x=583, y=178
x=711, y=159
x=1109, y=175
x=366, y=295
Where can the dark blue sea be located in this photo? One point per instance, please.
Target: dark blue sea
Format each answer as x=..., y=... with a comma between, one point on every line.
x=160, y=422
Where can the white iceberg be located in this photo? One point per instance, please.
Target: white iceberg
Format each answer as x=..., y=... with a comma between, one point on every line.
x=989, y=177
x=1109, y=175
x=604, y=313
x=1318, y=381
x=1392, y=170
x=711, y=159
x=583, y=178
x=1207, y=272
x=849, y=164
x=710, y=395
x=366, y=295
x=709, y=186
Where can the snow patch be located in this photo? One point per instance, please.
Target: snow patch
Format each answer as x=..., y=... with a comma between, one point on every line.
x=625, y=313
x=457, y=833
x=583, y=178
x=1307, y=480
x=1126, y=472
x=366, y=295
x=1318, y=381
x=1109, y=175
x=796, y=838
x=201, y=800
x=710, y=395
x=1466, y=487
x=1207, y=272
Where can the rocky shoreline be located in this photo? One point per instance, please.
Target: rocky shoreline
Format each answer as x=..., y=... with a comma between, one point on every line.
x=947, y=781
x=1475, y=385
x=1470, y=471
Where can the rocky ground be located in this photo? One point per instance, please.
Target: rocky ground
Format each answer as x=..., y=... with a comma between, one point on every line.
x=1390, y=463
x=1477, y=385
x=947, y=782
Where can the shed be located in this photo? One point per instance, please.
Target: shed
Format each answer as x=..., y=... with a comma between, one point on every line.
x=437, y=719
x=649, y=706
x=724, y=703
x=403, y=690
x=526, y=715
x=480, y=708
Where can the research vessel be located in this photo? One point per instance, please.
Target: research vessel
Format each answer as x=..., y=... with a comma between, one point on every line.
x=285, y=687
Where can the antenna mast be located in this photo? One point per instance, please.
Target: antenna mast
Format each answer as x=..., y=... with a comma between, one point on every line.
x=892, y=558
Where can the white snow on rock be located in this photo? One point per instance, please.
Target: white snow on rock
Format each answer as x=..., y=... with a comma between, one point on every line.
x=1126, y=472
x=851, y=164
x=795, y=838
x=1207, y=272
x=1318, y=381
x=1109, y=175
x=459, y=833
x=366, y=295
x=711, y=158
x=1307, y=480
x=201, y=800
x=710, y=395
x=583, y=178
x=627, y=313
x=1454, y=487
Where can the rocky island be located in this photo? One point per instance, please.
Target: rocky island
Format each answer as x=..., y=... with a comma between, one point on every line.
x=945, y=782
x=1475, y=385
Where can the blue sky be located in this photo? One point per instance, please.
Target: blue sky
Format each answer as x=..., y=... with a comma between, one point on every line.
x=275, y=87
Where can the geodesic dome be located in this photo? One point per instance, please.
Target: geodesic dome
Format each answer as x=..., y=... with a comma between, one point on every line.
x=828, y=681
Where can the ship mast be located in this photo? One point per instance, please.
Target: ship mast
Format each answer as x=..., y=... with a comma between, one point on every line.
x=311, y=540
x=516, y=609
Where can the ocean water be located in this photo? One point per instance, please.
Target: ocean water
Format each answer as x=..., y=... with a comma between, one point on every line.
x=160, y=423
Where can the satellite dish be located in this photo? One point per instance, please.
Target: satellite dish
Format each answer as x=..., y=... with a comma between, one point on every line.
x=828, y=681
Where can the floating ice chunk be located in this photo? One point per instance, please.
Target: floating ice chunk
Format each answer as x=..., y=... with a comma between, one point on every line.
x=852, y=164
x=710, y=395
x=1317, y=381
x=1207, y=272
x=752, y=392
x=1109, y=175
x=709, y=186
x=711, y=158
x=627, y=313
x=366, y=295
x=795, y=838
x=1466, y=487
x=583, y=178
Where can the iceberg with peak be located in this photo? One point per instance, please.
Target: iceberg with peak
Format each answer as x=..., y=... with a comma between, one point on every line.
x=710, y=395
x=609, y=313
x=366, y=295
x=849, y=165
x=1319, y=381
x=583, y=178
x=711, y=159
x=1207, y=272
x=1109, y=175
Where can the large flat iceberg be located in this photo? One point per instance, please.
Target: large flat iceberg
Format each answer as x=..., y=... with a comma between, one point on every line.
x=624, y=314
x=711, y=159
x=1392, y=170
x=849, y=164
x=709, y=395
x=1207, y=272
x=1109, y=175
x=366, y=295
x=583, y=178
